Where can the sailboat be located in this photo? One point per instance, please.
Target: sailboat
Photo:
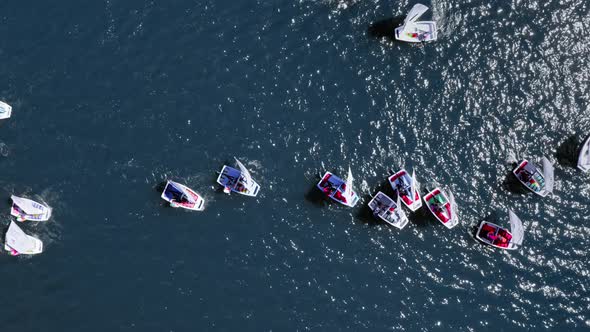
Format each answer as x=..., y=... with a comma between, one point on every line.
x=584, y=156
x=529, y=175
x=339, y=190
x=388, y=210
x=442, y=207
x=414, y=31
x=181, y=196
x=237, y=180
x=17, y=242
x=5, y=110
x=27, y=209
x=499, y=237
x=407, y=188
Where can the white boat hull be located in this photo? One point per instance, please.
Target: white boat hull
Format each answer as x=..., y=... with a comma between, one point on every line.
x=535, y=180
x=445, y=213
x=486, y=227
x=197, y=202
x=396, y=179
x=332, y=187
x=231, y=179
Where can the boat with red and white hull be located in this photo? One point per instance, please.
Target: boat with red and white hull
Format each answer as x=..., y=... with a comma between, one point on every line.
x=388, y=210
x=529, y=175
x=500, y=237
x=442, y=207
x=181, y=196
x=339, y=190
x=407, y=188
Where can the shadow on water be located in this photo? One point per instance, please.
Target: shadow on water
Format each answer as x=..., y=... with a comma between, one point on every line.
x=567, y=152
x=422, y=217
x=385, y=28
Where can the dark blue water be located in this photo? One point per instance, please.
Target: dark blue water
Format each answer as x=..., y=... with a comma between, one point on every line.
x=111, y=98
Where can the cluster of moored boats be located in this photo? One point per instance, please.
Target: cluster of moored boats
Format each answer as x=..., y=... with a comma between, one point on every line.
x=406, y=188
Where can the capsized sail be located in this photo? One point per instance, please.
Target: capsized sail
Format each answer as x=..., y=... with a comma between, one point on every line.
x=516, y=228
x=247, y=178
x=415, y=13
x=29, y=206
x=548, y=174
x=22, y=243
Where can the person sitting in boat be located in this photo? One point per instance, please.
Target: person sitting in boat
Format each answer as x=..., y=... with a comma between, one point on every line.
x=525, y=175
x=492, y=237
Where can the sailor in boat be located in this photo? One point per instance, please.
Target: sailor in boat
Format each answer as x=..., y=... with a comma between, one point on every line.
x=525, y=175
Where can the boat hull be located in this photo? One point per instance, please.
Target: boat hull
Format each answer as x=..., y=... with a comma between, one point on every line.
x=231, y=178
x=534, y=182
x=334, y=187
x=199, y=202
x=386, y=209
x=417, y=32
x=439, y=205
x=497, y=233
x=399, y=178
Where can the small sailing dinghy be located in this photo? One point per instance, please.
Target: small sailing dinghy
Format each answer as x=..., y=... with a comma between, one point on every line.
x=17, y=242
x=389, y=211
x=26, y=209
x=499, y=237
x=181, y=196
x=407, y=188
x=529, y=175
x=5, y=110
x=584, y=156
x=238, y=180
x=414, y=31
x=443, y=208
x=339, y=190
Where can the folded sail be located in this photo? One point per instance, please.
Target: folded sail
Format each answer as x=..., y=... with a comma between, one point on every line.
x=28, y=206
x=247, y=178
x=548, y=174
x=17, y=239
x=415, y=13
x=516, y=228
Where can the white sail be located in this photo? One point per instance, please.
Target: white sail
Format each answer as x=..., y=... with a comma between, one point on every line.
x=414, y=186
x=548, y=174
x=453, y=206
x=584, y=157
x=25, y=244
x=415, y=13
x=348, y=192
x=5, y=110
x=187, y=194
x=29, y=206
x=516, y=228
x=247, y=178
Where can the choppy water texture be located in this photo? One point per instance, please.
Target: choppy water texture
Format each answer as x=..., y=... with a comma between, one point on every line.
x=112, y=98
